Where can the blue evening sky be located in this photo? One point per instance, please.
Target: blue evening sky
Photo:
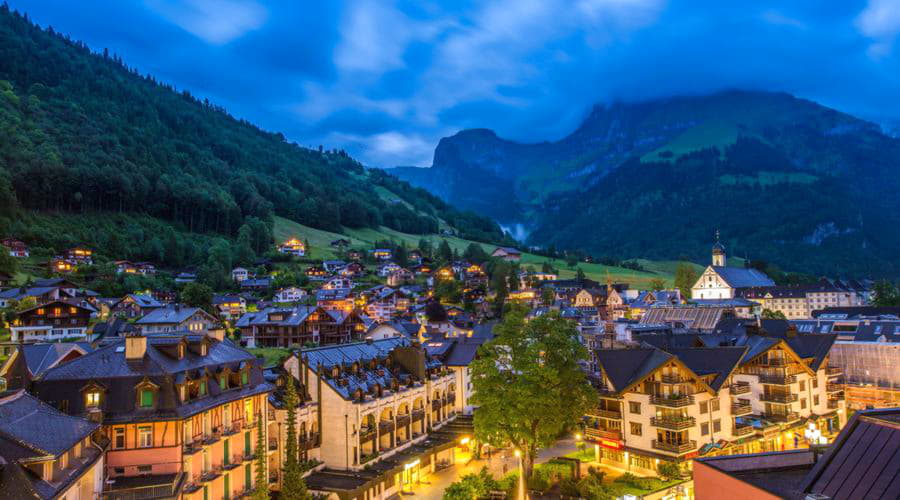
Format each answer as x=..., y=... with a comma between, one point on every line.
x=386, y=80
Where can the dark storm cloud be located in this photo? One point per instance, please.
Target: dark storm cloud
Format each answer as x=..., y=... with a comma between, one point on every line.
x=386, y=81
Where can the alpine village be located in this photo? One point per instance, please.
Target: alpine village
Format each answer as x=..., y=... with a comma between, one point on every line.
x=194, y=308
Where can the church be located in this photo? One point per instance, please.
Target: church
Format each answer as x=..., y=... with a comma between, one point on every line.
x=721, y=282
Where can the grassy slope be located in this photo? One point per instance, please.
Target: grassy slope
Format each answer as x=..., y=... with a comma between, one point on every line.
x=319, y=241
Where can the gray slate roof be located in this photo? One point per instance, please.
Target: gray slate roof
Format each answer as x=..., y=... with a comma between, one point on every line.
x=738, y=277
x=37, y=428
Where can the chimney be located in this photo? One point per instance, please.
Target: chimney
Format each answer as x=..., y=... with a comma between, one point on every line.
x=135, y=347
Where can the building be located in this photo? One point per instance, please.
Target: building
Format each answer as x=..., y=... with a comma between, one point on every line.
x=52, y=321
x=316, y=273
x=29, y=361
x=712, y=394
x=862, y=463
x=400, y=277
x=721, y=282
x=16, y=248
x=293, y=247
x=698, y=317
x=382, y=254
x=229, y=306
x=179, y=410
x=384, y=407
x=290, y=294
x=387, y=303
x=41, y=294
x=61, y=265
x=799, y=302
x=135, y=306
x=80, y=255
x=256, y=284
x=507, y=253
x=177, y=318
x=47, y=454
x=300, y=325
x=307, y=422
x=239, y=274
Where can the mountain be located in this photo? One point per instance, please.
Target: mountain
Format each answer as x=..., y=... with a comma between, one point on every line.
x=784, y=180
x=80, y=132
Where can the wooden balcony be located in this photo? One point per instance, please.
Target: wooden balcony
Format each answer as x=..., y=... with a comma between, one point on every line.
x=739, y=409
x=673, y=379
x=778, y=398
x=608, y=414
x=834, y=371
x=672, y=401
x=592, y=434
x=834, y=404
x=418, y=414
x=403, y=420
x=740, y=388
x=775, y=379
x=774, y=362
x=833, y=388
x=385, y=426
x=782, y=417
x=673, y=423
x=742, y=430
x=680, y=449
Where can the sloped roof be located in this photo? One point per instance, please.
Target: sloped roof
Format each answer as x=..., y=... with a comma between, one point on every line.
x=738, y=277
x=169, y=315
x=624, y=367
x=38, y=428
x=720, y=361
x=40, y=357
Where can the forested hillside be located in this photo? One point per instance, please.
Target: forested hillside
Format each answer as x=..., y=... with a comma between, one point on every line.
x=82, y=133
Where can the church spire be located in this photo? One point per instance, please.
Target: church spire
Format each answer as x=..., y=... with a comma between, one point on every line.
x=718, y=252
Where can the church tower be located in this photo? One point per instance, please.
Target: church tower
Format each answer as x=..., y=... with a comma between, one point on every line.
x=718, y=252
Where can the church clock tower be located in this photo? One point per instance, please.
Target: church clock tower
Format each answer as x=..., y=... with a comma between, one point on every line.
x=718, y=252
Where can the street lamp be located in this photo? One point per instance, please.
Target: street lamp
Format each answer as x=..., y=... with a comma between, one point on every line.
x=579, y=444
x=518, y=454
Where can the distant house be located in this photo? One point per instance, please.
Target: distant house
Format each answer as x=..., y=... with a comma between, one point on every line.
x=354, y=255
x=135, y=306
x=415, y=257
x=229, y=306
x=445, y=274
x=256, y=284
x=340, y=243
x=80, y=255
x=316, y=273
x=507, y=253
x=41, y=294
x=145, y=268
x=290, y=294
x=293, y=247
x=338, y=298
x=50, y=322
x=353, y=270
x=61, y=265
x=125, y=267
x=400, y=277
x=382, y=254
x=333, y=265
x=29, y=361
x=177, y=318
x=338, y=282
x=16, y=248
x=239, y=274
x=185, y=277
x=385, y=270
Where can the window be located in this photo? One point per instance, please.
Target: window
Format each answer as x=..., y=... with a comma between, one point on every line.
x=119, y=438
x=144, y=469
x=245, y=377
x=713, y=405
x=92, y=399
x=636, y=429
x=182, y=391
x=816, y=400
x=802, y=403
x=802, y=385
x=717, y=425
x=146, y=398
x=119, y=470
x=704, y=407
x=634, y=407
x=203, y=388
x=815, y=383
x=704, y=429
x=145, y=436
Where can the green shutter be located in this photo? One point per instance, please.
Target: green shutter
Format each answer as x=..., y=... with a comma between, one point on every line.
x=247, y=443
x=245, y=378
x=223, y=383
x=146, y=398
x=227, y=493
x=203, y=388
x=227, y=458
x=206, y=493
x=248, y=477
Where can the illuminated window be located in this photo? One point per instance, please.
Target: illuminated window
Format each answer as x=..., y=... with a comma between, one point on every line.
x=40, y=310
x=57, y=311
x=92, y=399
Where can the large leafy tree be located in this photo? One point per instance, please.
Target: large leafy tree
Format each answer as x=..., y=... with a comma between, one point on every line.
x=528, y=385
x=293, y=487
x=685, y=277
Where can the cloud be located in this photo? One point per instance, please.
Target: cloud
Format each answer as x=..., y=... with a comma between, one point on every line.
x=880, y=20
x=215, y=21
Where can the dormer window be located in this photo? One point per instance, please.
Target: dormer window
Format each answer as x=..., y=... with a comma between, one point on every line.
x=146, y=398
x=203, y=388
x=147, y=394
x=92, y=399
x=223, y=382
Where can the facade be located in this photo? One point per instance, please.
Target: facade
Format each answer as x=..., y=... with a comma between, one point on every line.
x=799, y=302
x=676, y=404
x=387, y=303
x=293, y=247
x=16, y=248
x=179, y=411
x=239, y=274
x=80, y=255
x=135, y=306
x=177, y=318
x=67, y=463
x=52, y=321
x=508, y=254
x=229, y=306
x=290, y=294
x=721, y=282
x=300, y=325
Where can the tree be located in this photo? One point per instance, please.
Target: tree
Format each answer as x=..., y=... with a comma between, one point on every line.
x=685, y=277
x=770, y=314
x=548, y=295
x=579, y=274
x=475, y=253
x=445, y=254
x=669, y=471
x=261, y=488
x=886, y=294
x=528, y=384
x=197, y=295
x=657, y=284
x=293, y=486
x=8, y=263
x=401, y=256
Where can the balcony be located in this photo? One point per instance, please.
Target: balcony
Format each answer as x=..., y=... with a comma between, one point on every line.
x=232, y=429
x=191, y=448
x=832, y=388
x=739, y=409
x=775, y=379
x=212, y=437
x=310, y=441
x=608, y=414
x=782, y=417
x=677, y=401
x=778, y=398
x=366, y=433
x=742, y=430
x=435, y=405
x=833, y=371
x=403, y=420
x=592, y=434
x=673, y=379
x=249, y=455
x=192, y=486
x=673, y=422
x=740, y=388
x=774, y=362
x=834, y=404
x=418, y=414
x=386, y=426
x=233, y=464
x=210, y=475
x=451, y=397
x=249, y=424
x=680, y=448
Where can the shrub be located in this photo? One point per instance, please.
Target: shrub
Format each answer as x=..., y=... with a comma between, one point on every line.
x=669, y=471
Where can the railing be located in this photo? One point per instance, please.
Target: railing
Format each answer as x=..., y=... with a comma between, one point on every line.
x=672, y=401
x=368, y=457
x=739, y=409
x=597, y=434
x=610, y=414
x=673, y=379
x=403, y=420
x=679, y=448
x=210, y=474
x=830, y=387
x=249, y=455
x=740, y=388
x=675, y=423
x=834, y=404
x=232, y=429
x=774, y=362
x=775, y=379
x=366, y=433
x=782, y=417
x=742, y=430
x=418, y=414
x=212, y=437
x=386, y=426
x=310, y=441
x=833, y=371
x=249, y=424
x=192, y=486
x=191, y=448
x=435, y=405
x=778, y=398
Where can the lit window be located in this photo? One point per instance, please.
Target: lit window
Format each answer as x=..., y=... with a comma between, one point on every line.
x=145, y=436
x=92, y=399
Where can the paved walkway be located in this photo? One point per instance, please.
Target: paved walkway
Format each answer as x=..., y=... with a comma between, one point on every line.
x=500, y=463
